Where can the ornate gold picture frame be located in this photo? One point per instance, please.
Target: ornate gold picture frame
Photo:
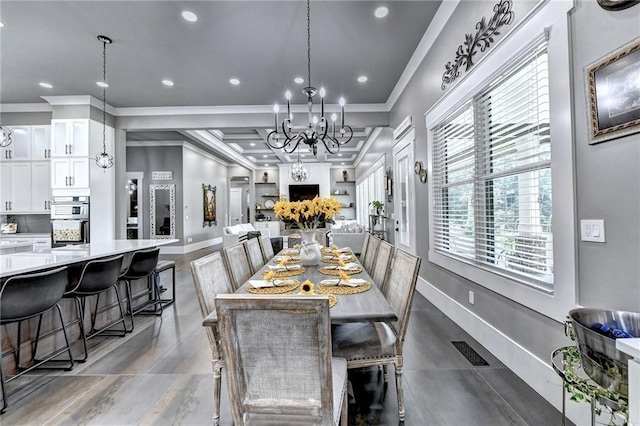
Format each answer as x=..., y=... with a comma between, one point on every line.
x=209, y=205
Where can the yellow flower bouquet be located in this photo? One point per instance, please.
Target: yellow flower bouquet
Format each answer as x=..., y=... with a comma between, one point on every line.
x=308, y=214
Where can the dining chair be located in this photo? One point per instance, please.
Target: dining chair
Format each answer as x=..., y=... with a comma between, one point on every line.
x=372, y=251
x=280, y=369
x=210, y=278
x=254, y=252
x=237, y=264
x=97, y=277
x=365, y=246
x=381, y=265
x=28, y=296
x=380, y=343
x=267, y=248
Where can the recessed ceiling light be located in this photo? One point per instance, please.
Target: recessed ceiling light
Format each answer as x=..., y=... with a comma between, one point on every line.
x=266, y=165
x=45, y=85
x=363, y=79
x=381, y=12
x=1, y=25
x=299, y=80
x=167, y=83
x=264, y=155
x=234, y=81
x=189, y=16
x=302, y=155
x=252, y=144
x=102, y=83
x=342, y=164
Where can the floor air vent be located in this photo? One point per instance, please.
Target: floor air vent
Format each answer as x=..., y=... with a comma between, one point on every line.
x=468, y=352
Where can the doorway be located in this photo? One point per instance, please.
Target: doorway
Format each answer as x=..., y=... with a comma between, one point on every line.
x=239, y=200
x=404, y=199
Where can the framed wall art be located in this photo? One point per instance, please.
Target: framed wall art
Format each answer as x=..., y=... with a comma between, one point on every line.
x=613, y=94
x=209, y=205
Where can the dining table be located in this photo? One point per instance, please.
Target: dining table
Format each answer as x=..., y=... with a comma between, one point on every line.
x=363, y=306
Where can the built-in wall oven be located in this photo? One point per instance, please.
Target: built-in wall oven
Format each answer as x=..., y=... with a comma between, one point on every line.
x=69, y=220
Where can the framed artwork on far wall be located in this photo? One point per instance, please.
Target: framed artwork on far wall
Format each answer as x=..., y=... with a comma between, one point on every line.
x=613, y=94
x=209, y=205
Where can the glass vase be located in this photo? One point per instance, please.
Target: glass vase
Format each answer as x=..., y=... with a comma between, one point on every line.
x=309, y=249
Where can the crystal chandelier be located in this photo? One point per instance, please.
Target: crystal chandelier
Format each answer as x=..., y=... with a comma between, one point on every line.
x=317, y=130
x=7, y=136
x=298, y=172
x=104, y=160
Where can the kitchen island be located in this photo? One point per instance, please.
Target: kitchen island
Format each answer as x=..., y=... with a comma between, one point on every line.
x=27, y=262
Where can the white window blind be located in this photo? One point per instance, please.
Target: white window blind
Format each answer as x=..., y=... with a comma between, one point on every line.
x=492, y=175
x=369, y=189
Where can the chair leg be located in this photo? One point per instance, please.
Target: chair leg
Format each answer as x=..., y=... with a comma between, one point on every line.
x=344, y=414
x=2, y=384
x=398, y=368
x=217, y=386
x=129, y=303
x=66, y=338
x=16, y=354
x=35, y=344
x=80, y=306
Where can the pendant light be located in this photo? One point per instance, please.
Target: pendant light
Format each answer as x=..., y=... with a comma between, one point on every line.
x=104, y=160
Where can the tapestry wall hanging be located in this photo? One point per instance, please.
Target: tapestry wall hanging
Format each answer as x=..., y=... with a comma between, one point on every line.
x=209, y=202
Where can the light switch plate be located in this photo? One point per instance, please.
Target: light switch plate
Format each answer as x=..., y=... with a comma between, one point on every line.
x=592, y=230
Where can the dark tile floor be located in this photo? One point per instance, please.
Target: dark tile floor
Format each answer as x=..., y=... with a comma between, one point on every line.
x=161, y=374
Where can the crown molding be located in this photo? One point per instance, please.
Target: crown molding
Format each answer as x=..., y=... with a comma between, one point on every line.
x=40, y=107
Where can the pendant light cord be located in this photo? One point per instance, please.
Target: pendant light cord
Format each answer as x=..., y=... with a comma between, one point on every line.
x=104, y=95
x=309, y=43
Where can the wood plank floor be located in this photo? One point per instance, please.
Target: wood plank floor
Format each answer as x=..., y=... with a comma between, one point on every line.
x=161, y=374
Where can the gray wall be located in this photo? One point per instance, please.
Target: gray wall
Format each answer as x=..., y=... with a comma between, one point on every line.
x=608, y=273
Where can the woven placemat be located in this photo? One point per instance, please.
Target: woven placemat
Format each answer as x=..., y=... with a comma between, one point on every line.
x=342, y=289
x=284, y=274
x=336, y=260
x=326, y=271
x=272, y=290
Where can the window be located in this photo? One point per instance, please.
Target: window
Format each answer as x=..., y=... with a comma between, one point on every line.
x=370, y=188
x=492, y=175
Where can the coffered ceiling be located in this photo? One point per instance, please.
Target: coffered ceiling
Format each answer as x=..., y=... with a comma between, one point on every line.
x=260, y=43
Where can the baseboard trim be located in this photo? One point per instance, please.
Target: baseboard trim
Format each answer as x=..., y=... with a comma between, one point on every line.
x=536, y=372
x=190, y=247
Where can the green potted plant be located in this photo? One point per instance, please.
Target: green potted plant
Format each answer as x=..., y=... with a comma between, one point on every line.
x=378, y=206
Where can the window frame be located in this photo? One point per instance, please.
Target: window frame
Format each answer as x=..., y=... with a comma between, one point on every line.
x=552, y=17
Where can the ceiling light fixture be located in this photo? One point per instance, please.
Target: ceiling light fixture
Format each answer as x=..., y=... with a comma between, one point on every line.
x=234, y=81
x=167, y=83
x=104, y=160
x=363, y=79
x=45, y=85
x=381, y=12
x=298, y=172
x=187, y=15
x=299, y=80
x=318, y=129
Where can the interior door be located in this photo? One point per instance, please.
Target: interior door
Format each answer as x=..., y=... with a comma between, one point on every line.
x=235, y=206
x=404, y=221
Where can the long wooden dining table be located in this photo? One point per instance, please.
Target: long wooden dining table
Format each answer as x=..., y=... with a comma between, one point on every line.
x=369, y=305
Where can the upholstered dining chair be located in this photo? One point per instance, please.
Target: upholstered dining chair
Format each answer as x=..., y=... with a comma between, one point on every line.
x=237, y=263
x=278, y=360
x=372, y=251
x=380, y=343
x=267, y=248
x=255, y=254
x=210, y=278
x=381, y=265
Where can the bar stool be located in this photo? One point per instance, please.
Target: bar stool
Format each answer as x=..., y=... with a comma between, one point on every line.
x=27, y=296
x=97, y=277
x=164, y=265
x=143, y=263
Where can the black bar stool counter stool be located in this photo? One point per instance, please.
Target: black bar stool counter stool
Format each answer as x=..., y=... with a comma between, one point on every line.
x=142, y=266
x=165, y=265
x=27, y=296
x=97, y=277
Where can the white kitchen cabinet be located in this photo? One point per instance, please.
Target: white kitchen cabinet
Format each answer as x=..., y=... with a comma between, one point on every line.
x=20, y=149
x=15, y=187
x=40, y=186
x=70, y=138
x=40, y=142
x=69, y=173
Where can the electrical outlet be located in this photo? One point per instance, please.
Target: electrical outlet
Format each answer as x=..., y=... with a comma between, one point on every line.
x=592, y=230
x=472, y=297
x=189, y=239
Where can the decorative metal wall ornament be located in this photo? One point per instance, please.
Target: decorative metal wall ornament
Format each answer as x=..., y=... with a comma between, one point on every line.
x=104, y=160
x=317, y=130
x=6, y=136
x=484, y=37
x=617, y=4
x=209, y=203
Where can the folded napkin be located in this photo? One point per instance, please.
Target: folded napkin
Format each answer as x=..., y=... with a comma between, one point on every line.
x=345, y=250
x=269, y=283
x=289, y=252
x=278, y=268
x=349, y=267
x=353, y=282
x=279, y=258
x=342, y=256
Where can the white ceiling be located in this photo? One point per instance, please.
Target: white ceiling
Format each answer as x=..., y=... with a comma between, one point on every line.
x=262, y=43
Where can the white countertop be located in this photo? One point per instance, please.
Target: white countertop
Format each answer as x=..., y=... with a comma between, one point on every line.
x=21, y=263
x=14, y=244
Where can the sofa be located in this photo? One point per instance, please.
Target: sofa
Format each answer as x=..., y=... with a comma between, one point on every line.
x=236, y=233
x=348, y=234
